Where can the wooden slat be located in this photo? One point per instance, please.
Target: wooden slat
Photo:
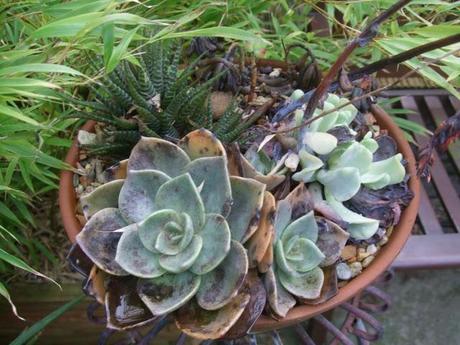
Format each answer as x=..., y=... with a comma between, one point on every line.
x=455, y=103
x=427, y=215
x=444, y=185
x=439, y=114
x=436, y=251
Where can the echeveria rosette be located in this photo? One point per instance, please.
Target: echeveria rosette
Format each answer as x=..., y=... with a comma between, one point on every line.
x=177, y=224
x=304, y=246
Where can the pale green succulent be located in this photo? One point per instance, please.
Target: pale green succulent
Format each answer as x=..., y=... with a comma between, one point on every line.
x=304, y=246
x=177, y=222
x=343, y=168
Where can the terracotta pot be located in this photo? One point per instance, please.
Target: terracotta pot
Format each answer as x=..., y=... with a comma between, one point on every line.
x=386, y=255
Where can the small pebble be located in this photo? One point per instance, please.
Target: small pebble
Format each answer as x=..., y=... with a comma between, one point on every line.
x=383, y=241
x=343, y=271
x=275, y=73
x=356, y=268
x=362, y=254
x=348, y=252
x=371, y=249
x=389, y=231
x=86, y=138
x=366, y=262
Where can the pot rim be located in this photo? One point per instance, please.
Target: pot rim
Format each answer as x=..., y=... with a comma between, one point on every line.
x=386, y=255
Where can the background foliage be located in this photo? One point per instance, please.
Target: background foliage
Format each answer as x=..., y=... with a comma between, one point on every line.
x=43, y=45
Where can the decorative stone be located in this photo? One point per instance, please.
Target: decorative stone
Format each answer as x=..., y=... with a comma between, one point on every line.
x=362, y=254
x=383, y=241
x=86, y=138
x=219, y=102
x=389, y=231
x=371, y=249
x=348, y=252
x=275, y=73
x=343, y=271
x=356, y=268
x=366, y=262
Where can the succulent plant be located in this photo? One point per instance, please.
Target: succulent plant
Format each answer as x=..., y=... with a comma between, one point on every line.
x=174, y=230
x=305, y=245
x=154, y=98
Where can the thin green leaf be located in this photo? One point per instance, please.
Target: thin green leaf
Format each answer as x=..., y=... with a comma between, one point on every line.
x=120, y=50
x=4, y=292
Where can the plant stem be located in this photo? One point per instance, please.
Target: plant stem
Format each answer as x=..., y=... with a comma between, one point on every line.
x=364, y=38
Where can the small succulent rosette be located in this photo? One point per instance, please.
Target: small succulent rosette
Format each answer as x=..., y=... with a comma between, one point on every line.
x=306, y=249
x=169, y=238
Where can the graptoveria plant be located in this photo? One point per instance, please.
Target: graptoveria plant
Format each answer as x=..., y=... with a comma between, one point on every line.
x=177, y=224
x=305, y=245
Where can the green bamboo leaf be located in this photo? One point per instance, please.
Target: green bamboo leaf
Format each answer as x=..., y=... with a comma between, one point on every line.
x=66, y=27
x=4, y=292
x=15, y=261
x=36, y=328
x=120, y=50
x=108, y=39
x=39, y=67
x=221, y=31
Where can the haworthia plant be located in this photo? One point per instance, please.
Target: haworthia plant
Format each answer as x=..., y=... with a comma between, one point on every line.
x=177, y=224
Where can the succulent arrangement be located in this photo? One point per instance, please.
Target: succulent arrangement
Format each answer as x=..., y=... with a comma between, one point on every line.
x=214, y=220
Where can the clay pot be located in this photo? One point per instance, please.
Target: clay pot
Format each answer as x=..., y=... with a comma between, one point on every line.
x=386, y=255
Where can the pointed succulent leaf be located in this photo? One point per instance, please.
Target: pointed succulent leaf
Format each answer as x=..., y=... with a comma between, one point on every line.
x=220, y=285
x=355, y=156
x=304, y=285
x=134, y=258
x=329, y=120
x=96, y=284
x=392, y=167
x=216, y=244
x=212, y=174
x=123, y=307
x=255, y=288
x=102, y=197
x=321, y=143
x=169, y=292
x=99, y=241
x=201, y=143
x=150, y=228
x=248, y=196
x=137, y=196
x=331, y=241
x=333, y=181
x=206, y=324
x=180, y=194
x=300, y=200
x=259, y=242
x=279, y=300
x=117, y=171
x=157, y=154
x=183, y=260
x=359, y=227
x=369, y=143
x=303, y=227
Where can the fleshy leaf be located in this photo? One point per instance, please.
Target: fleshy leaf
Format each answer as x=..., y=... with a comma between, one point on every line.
x=169, y=292
x=255, y=288
x=369, y=143
x=300, y=200
x=359, y=227
x=331, y=240
x=174, y=237
x=282, y=217
x=206, y=324
x=259, y=242
x=391, y=167
x=267, y=260
x=299, y=254
x=95, y=284
x=153, y=225
x=123, y=307
x=157, y=154
x=310, y=164
x=279, y=299
x=328, y=121
x=180, y=194
x=216, y=244
x=248, y=196
x=202, y=143
x=102, y=197
x=304, y=227
x=329, y=289
x=134, y=258
x=211, y=172
x=137, y=196
x=304, y=285
x=355, y=156
x=221, y=284
x=117, y=171
x=99, y=241
x=321, y=143
x=79, y=261
x=184, y=260
x=342, y=183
